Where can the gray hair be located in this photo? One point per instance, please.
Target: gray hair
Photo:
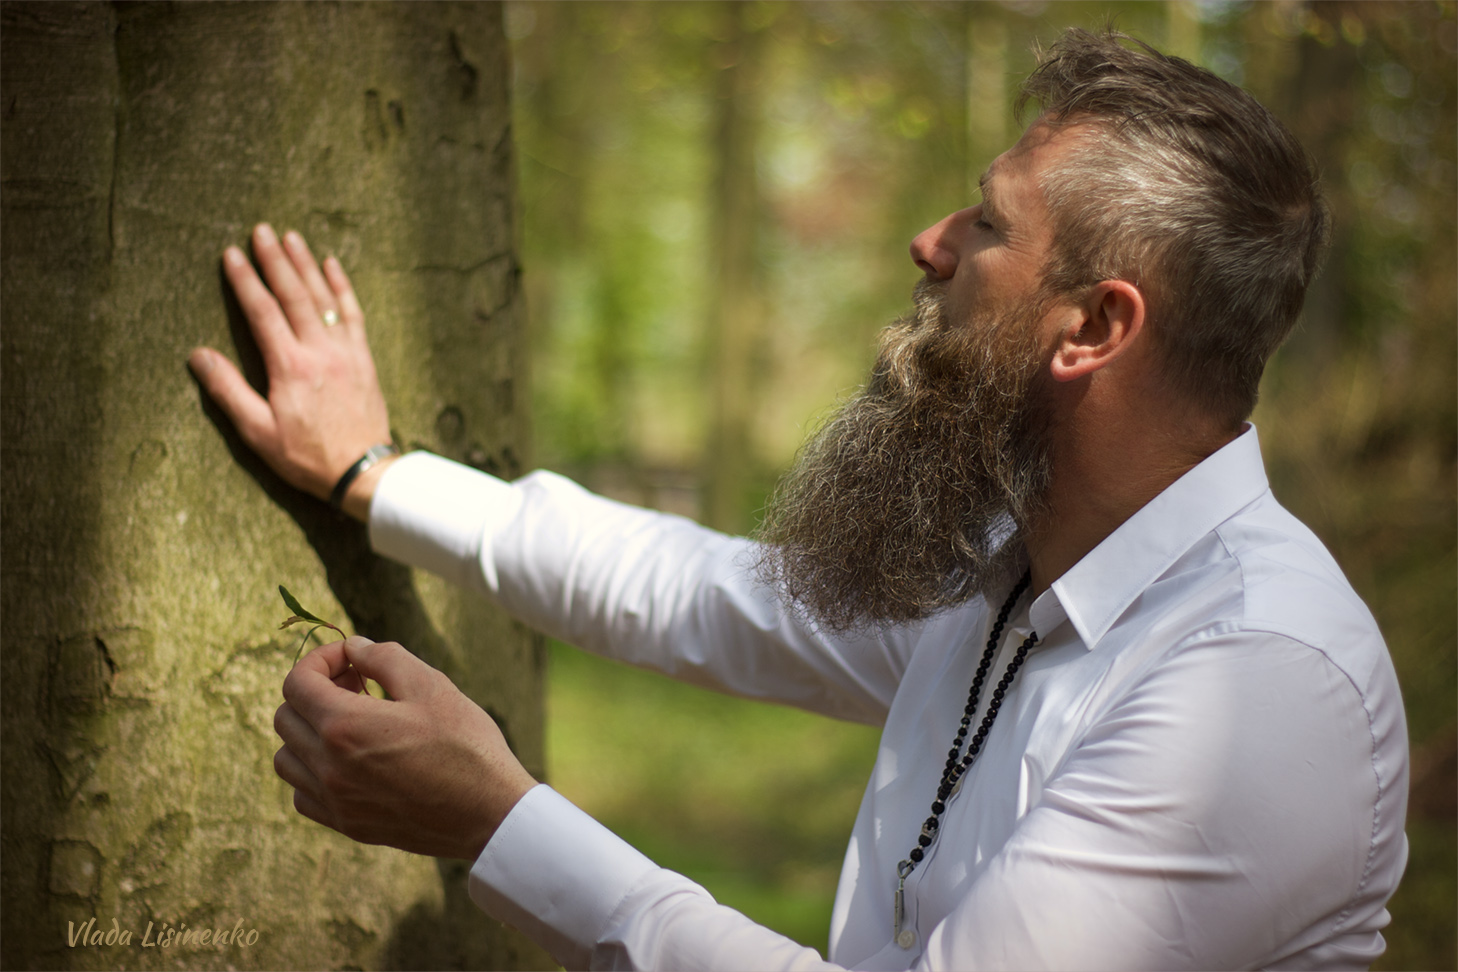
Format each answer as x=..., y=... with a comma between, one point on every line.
x=1190, y=189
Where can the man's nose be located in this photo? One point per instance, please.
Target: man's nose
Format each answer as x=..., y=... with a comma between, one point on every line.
x=935, y=249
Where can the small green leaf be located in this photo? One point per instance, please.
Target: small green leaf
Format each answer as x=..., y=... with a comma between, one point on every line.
x=298, y=609
x=300, y=616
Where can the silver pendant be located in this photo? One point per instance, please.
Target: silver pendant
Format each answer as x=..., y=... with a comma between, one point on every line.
x=904, y=937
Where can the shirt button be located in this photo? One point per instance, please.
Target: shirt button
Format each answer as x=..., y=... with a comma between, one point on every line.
x=906, y=939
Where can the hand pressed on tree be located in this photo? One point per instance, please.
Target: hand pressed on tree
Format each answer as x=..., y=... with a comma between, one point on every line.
x=324, y=406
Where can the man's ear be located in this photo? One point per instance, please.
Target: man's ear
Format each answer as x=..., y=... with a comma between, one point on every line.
x=1110, y=318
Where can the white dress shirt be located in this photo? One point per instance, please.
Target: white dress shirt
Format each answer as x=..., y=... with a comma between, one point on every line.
x=1203, y=763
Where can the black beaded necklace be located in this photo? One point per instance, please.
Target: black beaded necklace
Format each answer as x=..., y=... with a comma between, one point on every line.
x=957, y=761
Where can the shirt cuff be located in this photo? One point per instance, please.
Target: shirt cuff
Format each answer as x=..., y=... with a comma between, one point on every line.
x=556, y=875
x=438, y=515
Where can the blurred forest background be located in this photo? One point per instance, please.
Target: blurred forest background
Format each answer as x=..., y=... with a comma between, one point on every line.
x=717, y=200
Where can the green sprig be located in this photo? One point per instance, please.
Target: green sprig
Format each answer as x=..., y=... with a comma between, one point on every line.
x=301, y=616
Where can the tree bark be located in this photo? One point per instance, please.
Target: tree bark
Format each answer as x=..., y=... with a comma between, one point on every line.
x=143, y=542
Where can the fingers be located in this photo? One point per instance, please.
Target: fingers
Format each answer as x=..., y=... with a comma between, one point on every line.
x=287, y=762
x=316, y=811
x=328, y=661
x=270, y=328
x=300, y=742
x=350, y=313
x=298, y=297
x=313, y=687
x=307, y=788
x=401, y=674
x=248, y=411
x=284, y=279
x=351, y=680
x=319, y=290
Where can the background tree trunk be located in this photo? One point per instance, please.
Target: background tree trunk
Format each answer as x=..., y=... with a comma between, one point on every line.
x=734, y=321
x=987, y=96
x=144, y=543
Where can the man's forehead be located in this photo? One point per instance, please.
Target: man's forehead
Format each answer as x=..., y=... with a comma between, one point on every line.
x=1040, y=144
x=1001, y=173
x=984, y=186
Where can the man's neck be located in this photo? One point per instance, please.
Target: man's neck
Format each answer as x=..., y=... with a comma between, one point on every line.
x=1100, y=481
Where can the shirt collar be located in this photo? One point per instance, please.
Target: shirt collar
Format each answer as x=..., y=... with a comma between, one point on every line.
x=1098, y=589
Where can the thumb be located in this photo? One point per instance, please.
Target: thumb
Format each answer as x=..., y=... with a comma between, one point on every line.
x=399, y=673
x=248, y=410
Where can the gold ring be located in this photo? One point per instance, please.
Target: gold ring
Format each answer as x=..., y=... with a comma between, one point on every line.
x=330, y=318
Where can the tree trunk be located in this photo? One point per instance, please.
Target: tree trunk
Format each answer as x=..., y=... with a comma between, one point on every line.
x=987, y=97
x=734, y=319
x=144, y=544
x=1323, y=99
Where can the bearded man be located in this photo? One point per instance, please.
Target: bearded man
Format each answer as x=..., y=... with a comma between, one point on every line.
x=1042, y=536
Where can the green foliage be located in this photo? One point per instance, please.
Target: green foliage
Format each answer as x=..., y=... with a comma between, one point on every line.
x=301, y=616
x=753, y=801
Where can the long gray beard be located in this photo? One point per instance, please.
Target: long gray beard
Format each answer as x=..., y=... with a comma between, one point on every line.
x=913, y=496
